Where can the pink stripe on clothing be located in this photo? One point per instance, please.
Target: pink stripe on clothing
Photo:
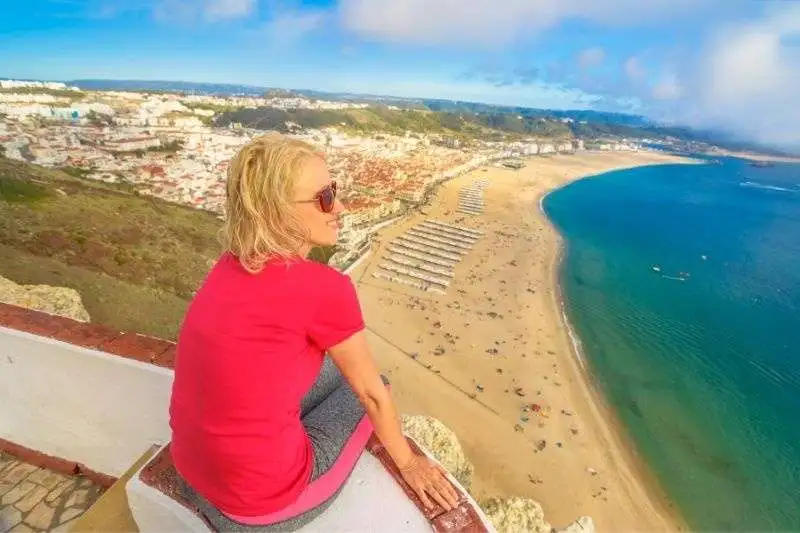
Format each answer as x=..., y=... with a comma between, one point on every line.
x=325, y=486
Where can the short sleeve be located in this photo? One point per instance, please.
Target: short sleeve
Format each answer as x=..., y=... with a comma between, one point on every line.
x=337, y=313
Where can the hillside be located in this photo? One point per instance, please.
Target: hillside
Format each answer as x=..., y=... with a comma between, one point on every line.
x=383, y=119
x=135, y=260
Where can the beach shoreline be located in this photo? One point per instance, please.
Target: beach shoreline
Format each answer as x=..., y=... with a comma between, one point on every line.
x=753, y=156
x=592, y=469
x=605, y=415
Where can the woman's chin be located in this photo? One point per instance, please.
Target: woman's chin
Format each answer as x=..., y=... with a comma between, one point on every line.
x=329, y=240
x=334, y=237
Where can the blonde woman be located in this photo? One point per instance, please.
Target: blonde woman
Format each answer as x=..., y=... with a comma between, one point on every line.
x=266, y=427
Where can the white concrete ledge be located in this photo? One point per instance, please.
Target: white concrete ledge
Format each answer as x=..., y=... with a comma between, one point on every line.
x=79, y=404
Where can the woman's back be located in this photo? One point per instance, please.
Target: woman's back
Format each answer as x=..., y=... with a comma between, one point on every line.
x=260, y=435
x=248, y=351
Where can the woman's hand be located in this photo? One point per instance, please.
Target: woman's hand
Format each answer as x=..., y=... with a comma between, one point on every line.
x=429, y=480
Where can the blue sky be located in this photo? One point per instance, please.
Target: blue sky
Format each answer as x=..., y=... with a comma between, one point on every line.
x=731, y=64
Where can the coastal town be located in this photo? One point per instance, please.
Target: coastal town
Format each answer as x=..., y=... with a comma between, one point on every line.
x=168, y=146
x=545, y=280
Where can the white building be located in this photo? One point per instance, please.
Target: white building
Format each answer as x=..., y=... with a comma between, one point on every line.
x=24, y=84
x=131, y=144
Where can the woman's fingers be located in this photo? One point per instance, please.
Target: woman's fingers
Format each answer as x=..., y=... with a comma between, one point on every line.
x=422, y=493
x=436, y=492
x=447, y=492
x=450, y=494
x=450, y=491
x=429, y=480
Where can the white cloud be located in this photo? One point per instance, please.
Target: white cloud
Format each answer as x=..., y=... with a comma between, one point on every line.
x=591, y=57
x=668, y=88
x=633, y=69
x=171, y=11
x=494, y=22
x=228, y=9
x=190, y=11
x=747, y=78
x=287, y=27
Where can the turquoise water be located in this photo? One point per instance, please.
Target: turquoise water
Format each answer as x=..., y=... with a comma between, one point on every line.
x=704, y=373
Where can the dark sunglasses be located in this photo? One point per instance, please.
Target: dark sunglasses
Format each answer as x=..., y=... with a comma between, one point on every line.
x=325, y=198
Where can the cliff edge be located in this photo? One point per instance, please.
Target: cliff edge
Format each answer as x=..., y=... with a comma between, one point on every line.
x=508, y=515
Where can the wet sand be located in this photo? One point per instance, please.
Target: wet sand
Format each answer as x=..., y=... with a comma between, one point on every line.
x=494, y=361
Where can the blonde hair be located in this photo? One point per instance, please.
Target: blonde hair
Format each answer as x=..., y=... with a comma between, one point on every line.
x=260, y=220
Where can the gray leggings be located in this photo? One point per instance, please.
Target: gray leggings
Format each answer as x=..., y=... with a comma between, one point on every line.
x=330, y=412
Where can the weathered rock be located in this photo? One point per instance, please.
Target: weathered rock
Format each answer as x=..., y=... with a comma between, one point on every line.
x=442, y=444
x=61, y=301
x=584, y=524
x=513, y=515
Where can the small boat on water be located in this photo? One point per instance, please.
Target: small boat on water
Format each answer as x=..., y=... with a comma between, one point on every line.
x=676, y=278
x=656, y=268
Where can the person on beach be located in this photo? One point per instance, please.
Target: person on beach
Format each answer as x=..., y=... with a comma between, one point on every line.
x=276, y=392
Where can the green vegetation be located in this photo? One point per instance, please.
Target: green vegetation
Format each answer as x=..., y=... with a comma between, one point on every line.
x=216, y=108
x=382, y=119
x=117, y=303
x=170, y=147
x=95, y=231
x=135, y=260
x=322, y=254
x=98, y=119
x=16, y=191
x=76, y=172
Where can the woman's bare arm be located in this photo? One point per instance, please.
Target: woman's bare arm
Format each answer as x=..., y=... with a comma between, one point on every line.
x=354, y=359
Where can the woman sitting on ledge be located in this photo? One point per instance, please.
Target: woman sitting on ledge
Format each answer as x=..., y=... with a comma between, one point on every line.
x=266, y=428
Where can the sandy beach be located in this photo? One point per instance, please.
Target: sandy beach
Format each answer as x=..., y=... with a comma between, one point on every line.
x=752, y=156
x=480, y=357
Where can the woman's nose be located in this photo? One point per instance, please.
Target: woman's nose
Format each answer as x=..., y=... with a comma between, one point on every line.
x=338, y=207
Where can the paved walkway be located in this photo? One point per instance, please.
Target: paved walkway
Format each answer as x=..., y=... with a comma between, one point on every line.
x=37, y=499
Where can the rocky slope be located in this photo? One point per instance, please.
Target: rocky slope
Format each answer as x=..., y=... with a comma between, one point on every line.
x=61, y=301
x=508, y=515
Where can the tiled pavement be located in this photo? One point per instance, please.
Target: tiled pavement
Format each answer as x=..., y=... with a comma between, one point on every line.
x=37, y=499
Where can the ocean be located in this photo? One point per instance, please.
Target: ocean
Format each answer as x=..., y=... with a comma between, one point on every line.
x=683, y=284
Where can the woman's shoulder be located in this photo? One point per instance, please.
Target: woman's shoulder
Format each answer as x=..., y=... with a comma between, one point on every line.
x=322, y=272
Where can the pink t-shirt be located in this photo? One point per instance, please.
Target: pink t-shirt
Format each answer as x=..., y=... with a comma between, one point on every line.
x=250, y=348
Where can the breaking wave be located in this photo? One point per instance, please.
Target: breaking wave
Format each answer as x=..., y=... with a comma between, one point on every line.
x=757, y=185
